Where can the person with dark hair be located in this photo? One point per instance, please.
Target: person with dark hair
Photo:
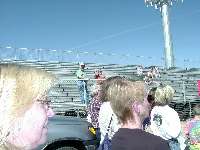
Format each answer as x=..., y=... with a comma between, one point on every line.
x=129, y=103
x=192, y=129
x=106, y=113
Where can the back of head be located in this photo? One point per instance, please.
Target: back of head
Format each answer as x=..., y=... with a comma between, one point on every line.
x=122, y=94
x=20, y=86
x=151, y=95
x=105, y=85
x=164, y=95
x=82, y=65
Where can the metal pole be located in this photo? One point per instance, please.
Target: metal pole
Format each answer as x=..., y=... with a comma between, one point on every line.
x=169, y=56
x=163, y=6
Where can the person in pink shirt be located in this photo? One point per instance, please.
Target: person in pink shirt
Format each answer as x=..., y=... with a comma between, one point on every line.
x=24, y=107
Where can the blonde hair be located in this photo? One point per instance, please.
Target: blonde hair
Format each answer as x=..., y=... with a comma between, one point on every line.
x=20, y=86
x=122, y=93
x=164, y=95
x=105, y=85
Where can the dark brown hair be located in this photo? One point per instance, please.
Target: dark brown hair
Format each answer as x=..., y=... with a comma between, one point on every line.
x=151, y=96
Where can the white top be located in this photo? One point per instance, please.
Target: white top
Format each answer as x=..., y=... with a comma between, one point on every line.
x=165, y=122
x=105, y=114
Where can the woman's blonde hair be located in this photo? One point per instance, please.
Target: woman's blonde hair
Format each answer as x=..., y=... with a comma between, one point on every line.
x=164, y=95
x=20, y=86
x=122, y=93
x=105, y=85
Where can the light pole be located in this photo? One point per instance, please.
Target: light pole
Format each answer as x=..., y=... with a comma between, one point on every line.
x=163, y=6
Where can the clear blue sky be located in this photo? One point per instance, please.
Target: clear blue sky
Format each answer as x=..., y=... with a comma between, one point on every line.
x=123, y=27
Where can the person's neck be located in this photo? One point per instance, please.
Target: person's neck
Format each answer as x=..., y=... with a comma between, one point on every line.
x=132, y=125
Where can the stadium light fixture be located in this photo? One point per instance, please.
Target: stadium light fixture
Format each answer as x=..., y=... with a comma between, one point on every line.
x=163, y=6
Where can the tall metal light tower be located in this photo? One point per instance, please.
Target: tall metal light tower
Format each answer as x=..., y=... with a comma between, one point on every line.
x=163, y=6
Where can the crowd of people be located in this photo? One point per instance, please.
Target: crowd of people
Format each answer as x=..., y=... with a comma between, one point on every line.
x=126, y=114
x=121, y=109
x=131, y=115
x=152, y=73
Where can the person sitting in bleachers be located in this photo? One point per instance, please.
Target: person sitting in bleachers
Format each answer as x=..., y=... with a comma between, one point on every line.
x=99, y=76
x=139, y=70
x=152, y=74
x=155, y=72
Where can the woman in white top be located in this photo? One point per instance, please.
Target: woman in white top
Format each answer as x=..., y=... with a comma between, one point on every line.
x=106, y=111
x=165, y=121
x=105, y=115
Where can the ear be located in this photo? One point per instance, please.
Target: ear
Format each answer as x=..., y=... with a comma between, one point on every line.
x=135, y=107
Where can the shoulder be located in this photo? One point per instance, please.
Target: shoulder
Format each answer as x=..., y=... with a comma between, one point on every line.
x=133, y=136
x=105, y=109
x=156, y=141
x=164, y=110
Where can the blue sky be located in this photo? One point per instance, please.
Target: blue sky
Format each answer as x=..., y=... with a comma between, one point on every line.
x=111, y=31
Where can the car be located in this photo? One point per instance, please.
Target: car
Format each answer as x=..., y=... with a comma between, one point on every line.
x=70, y=133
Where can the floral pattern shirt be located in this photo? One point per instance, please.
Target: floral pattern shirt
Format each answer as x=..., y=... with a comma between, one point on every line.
x=93, y=110
x=192, y=130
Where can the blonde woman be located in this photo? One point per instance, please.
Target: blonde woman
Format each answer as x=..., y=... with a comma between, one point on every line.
x=165, y=121
x=24, y=108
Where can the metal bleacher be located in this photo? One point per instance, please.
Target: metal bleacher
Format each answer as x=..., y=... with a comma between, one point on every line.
x=65, y=95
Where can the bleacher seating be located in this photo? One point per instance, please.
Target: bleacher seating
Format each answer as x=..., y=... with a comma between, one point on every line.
x=65, y=95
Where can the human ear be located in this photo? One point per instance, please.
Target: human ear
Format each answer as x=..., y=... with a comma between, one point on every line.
x=135, y=107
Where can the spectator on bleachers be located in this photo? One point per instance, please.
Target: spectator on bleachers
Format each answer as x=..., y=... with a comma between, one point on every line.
x=148, y=78
x=131, y=107
x=106, y=112
x=192, y=129
x=139, y=70
x=24, y=108
x=82, y=84
x=155, y=72
x=165, y=121
x=98, y=74
x=150, y=73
